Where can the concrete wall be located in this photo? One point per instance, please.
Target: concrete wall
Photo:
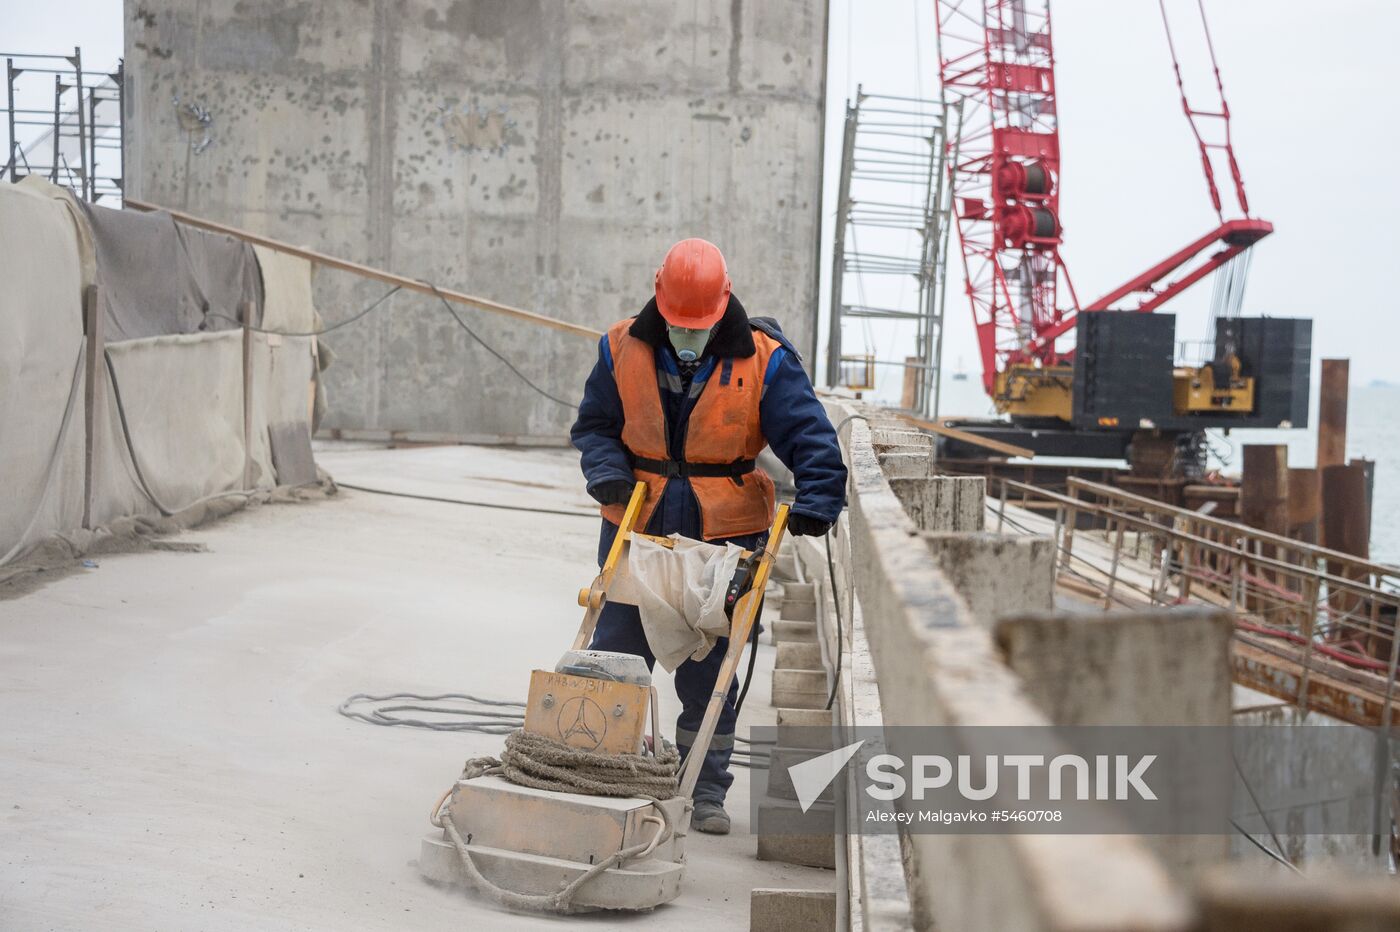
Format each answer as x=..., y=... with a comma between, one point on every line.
x=535, y=153
x=936, y=663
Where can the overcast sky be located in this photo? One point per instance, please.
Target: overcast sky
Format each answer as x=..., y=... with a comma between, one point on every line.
x=1309, y=89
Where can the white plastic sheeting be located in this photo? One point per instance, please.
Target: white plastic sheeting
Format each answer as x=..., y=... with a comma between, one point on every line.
x=287, y=303
x=183, y=400
x=182, y=395
x=41, y=374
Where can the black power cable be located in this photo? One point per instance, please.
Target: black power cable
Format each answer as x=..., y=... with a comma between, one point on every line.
x=753, y=658
x=315, y=333
x=450, y=310
x=492, y=350
x=463, y=501
x=836, y=601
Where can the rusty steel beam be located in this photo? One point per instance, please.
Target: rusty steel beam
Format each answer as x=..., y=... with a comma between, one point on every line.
x=1264, y=498
x=1304, y=505
x=1264, y=487
x=1346, y=527
x=1346, y=508
x=1332, y=413
x=1272, y=673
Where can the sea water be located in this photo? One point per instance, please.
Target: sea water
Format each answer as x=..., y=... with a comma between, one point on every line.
x=1373, y=432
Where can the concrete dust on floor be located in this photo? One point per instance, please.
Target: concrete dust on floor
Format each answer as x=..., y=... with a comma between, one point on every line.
x=171, y=757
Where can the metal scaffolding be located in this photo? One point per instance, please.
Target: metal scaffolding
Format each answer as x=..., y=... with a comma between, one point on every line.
x=72, y=135
x=891, y=228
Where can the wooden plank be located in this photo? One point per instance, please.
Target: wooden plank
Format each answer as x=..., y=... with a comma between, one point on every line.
x=963, y=436
x=365, y=271
x=248, y=395
x=94, y=396
x=909, y=397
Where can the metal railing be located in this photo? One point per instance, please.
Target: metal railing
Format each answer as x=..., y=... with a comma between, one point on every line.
x=1314, y=626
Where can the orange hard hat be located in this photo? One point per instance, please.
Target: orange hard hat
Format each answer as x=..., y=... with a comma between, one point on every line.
x=692, y=285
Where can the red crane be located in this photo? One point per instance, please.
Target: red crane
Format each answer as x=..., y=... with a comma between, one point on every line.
x=998, y=58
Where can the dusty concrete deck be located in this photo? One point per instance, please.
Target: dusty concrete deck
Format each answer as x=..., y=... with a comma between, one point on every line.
x=170, y=754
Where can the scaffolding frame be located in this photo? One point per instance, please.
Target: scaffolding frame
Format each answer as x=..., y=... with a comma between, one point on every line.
x=75, y=140
x=893, y=178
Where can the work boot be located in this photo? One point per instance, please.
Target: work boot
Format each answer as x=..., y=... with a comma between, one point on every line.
x=710, y=818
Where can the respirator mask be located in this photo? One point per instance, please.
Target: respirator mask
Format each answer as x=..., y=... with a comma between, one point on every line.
x=689, y=344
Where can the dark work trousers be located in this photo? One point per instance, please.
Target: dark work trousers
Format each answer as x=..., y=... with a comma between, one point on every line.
x=620, y=629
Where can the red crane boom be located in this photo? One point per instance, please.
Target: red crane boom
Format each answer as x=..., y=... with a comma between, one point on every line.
x=997, y=56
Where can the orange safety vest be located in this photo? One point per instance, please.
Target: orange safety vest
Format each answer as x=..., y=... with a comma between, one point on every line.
x=723, y=427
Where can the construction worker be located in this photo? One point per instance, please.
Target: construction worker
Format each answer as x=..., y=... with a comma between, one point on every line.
x=685, y=396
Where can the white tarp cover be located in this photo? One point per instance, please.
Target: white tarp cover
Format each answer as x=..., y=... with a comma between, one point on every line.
x=287, y=302
x=41, y=344
x=288, y=307
x=183, y=399
x=680, y=593
x=182, y=394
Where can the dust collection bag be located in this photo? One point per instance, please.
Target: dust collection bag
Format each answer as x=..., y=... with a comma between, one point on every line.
x=680, y=593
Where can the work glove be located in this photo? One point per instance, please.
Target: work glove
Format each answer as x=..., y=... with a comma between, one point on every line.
x=807, y=526
x=612, y=492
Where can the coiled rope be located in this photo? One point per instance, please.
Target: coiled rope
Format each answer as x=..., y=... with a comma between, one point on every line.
x=540, y=762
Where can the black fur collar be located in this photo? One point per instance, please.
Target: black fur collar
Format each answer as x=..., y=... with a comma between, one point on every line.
x=732, y=337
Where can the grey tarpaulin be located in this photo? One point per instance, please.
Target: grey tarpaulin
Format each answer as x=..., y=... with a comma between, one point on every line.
x=156, y=277
x=680, y=592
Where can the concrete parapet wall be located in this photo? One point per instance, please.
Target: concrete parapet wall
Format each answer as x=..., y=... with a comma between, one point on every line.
x=1148, y=667
x=996, y=574
x=916, y=465
x=942, y=503
x=936, y=664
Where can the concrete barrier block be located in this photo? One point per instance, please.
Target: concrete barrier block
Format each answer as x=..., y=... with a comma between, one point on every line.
x=794, y=631
x=1147, y=667
x=798, y=611
x=799, y=689
x=894, y=436
x=997, y=574
x=1241, y=897
x=806, y=850
x=907, y=465
x=1168, y=666
x=779, y=775
x=944, y=503
x=799, y=655
x=804, y=718
x=791, y=910
x=786, y=565
x=800, y=592
x=806, y=681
